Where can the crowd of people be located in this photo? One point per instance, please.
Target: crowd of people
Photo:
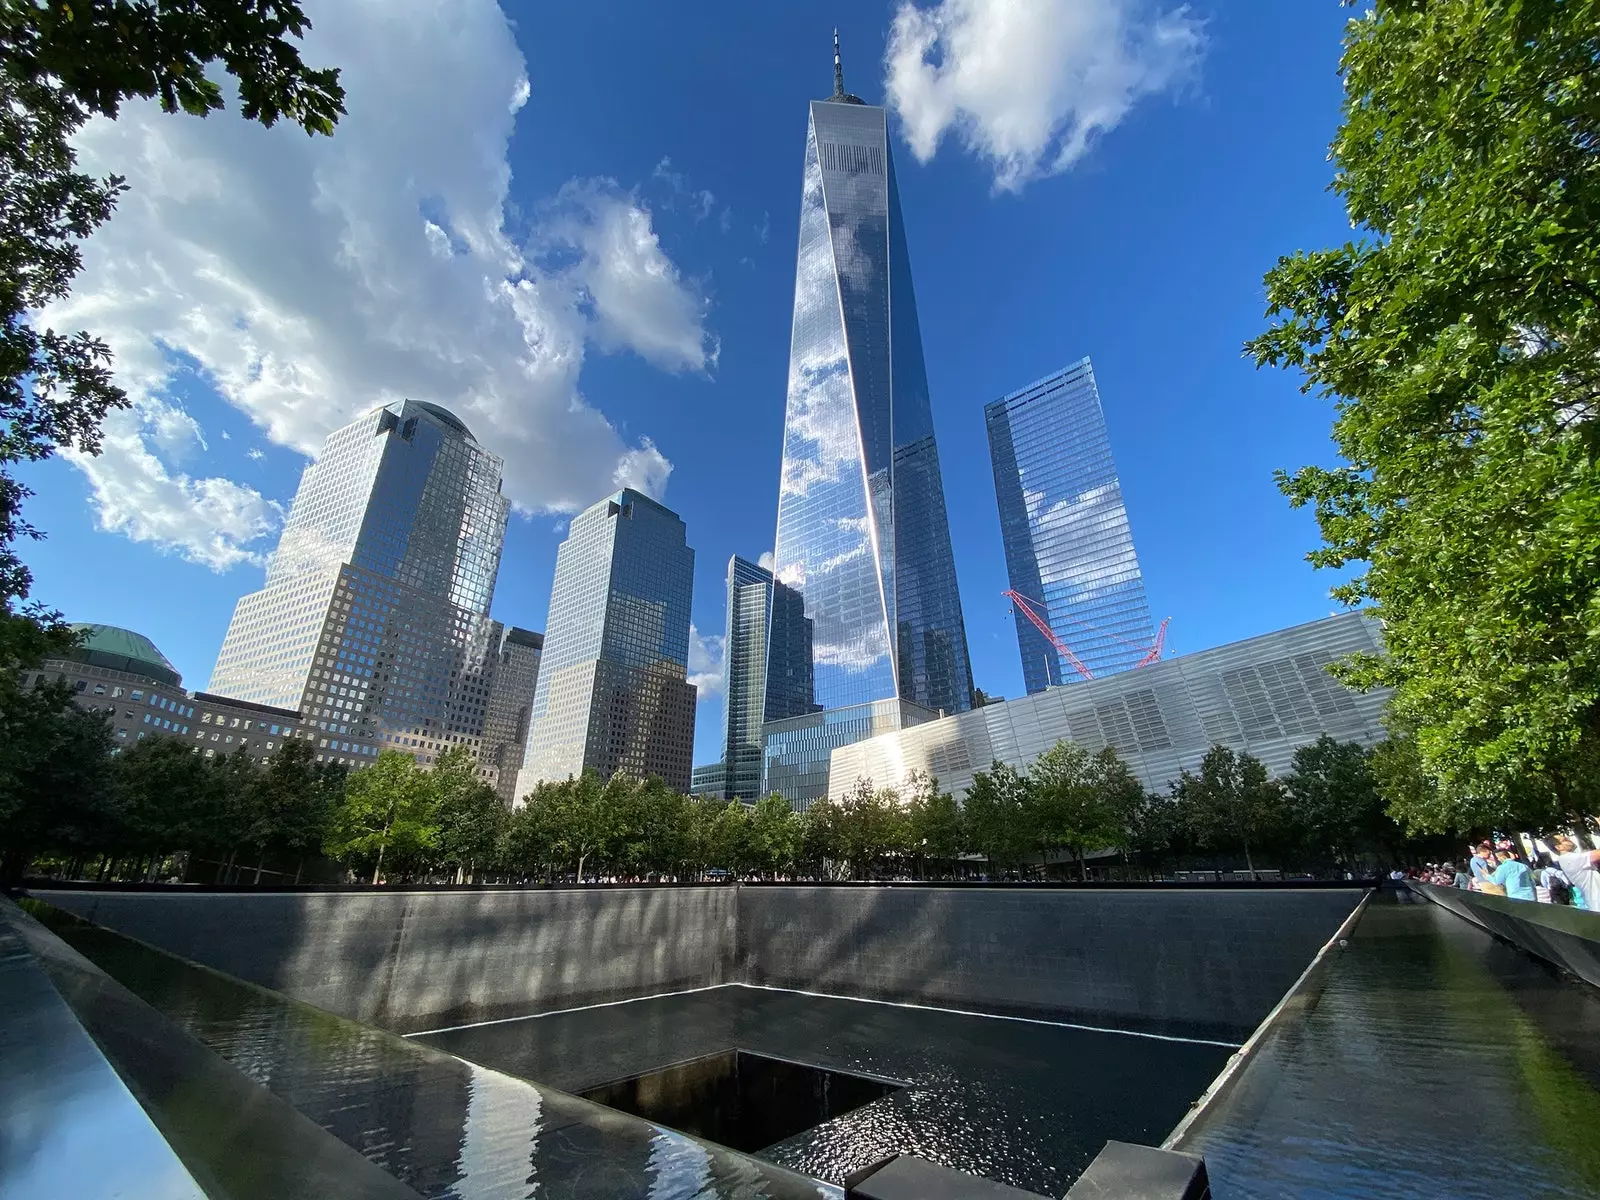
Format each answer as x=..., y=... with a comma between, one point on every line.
x=1557, y=872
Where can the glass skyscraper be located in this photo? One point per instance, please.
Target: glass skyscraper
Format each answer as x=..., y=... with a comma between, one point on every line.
x=373, y=621
x=863, y=534
x=613, y=692
x=767, y=668
x=1068, y=546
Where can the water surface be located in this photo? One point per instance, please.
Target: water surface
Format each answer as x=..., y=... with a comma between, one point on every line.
x=1024, y=1103
x=1423, y=1059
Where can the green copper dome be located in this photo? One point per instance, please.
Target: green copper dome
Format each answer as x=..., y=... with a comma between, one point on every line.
x=123, y=650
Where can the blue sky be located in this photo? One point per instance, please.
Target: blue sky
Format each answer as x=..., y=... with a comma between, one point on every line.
x=634, y=170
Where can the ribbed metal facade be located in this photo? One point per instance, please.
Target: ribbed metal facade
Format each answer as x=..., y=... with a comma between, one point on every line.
x=1268, y=695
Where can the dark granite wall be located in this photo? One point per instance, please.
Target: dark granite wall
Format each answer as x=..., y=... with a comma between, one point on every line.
x=1199, y=963
x=1191, y=962
x=419, y=960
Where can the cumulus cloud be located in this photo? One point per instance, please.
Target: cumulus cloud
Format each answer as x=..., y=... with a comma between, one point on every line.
x=705, y=662
x=1026, y=85
x=308, y=280
x=206, y=521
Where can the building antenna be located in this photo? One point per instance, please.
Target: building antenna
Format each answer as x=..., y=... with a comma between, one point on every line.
x=838, y=66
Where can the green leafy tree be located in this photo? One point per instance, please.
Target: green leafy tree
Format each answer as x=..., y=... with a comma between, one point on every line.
x=730, y=839
x=1333, y=801
x=871, y=826
x=294, y=796
x=664, y=816
x=821, y=843
x=704, y=813
x=236, y=817
x=469, y=813
x=388, y=810
x=62, y=62
x=933, y=819
x=1000, y=816
x=774, y=834
x=1232, y=804
x=1152, y=829
x=1079, y=797
x=171, y=798
x=1460, y=342
x=57, y=789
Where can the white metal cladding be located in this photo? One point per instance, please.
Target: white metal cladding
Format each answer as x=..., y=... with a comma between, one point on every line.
x=1268, y=695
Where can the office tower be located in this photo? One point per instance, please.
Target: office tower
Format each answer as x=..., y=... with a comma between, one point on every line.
x=1068, y=548
x=512, y=681
x=767, y=670
x=862, y=529
x=613, y=691
x=373, y=621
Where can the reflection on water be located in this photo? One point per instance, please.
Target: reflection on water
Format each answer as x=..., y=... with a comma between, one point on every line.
x=1427, y=1059
x=446, y=1128
x=1022, y=1103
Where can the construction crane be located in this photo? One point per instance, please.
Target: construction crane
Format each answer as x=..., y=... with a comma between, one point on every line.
x=1019, y=601
x=1030, y=609
x=1156, y=648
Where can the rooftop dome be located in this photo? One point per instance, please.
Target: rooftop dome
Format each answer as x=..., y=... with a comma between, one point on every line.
x=123, y=650
x=445, y=415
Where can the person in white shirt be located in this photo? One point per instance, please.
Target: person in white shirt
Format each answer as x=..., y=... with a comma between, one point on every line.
x=1579, y=866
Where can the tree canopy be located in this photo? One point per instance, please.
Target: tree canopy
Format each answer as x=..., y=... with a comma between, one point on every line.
x=62, y=62
x=1459, y=339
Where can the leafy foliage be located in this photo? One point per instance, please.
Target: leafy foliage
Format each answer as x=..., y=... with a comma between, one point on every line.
x=1460, y=340
x=62, y=62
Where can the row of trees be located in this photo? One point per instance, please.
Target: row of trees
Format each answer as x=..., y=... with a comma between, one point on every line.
x=68, y=801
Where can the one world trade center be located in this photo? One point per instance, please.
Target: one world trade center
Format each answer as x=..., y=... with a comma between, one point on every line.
x=863, y=534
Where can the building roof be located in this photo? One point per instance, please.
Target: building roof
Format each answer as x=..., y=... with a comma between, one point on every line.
x=445, y=415
x=123, y=650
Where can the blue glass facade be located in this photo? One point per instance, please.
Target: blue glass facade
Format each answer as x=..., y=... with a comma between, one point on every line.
x=613, y=693
x=863, y=536
x=1067, y=541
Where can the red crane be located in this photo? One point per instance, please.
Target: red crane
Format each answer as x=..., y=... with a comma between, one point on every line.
x=1160, y=642
x=1029, y=610
x=1018, y=600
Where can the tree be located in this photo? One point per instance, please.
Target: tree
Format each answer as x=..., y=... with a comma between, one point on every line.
x=294, y=797
x=1460, y=343
x=871, y=825
x=998, y=813
x=1232, y=803
x=821, y=845
x=172, y=801
x=774, y=834
x=469, y=814
x=56, y=785
x=60, y=64
x=236, y=818
x=388, y=809
x=1333, y=802
x=933, y=819
x=1152, y=827
x=1078, y=798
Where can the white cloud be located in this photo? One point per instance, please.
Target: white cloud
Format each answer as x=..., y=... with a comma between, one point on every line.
x=705, y=662
x=635, y=296
x=766, y=561
x=310, y=279
x=1027, y=84
x=212, y=522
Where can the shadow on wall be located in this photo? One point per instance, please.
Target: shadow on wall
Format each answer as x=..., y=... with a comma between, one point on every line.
x=1192, y=962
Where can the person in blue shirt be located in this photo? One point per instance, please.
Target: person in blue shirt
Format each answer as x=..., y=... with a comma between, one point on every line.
x=1514, y=876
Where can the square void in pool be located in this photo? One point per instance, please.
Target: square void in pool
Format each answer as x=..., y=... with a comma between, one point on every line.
x=1020, y=1102
x=741, y=1099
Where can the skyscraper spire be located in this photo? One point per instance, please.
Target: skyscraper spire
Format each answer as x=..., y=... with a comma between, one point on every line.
x=838, y=66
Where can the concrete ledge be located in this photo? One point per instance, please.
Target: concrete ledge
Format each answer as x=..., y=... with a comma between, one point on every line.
x=1124, y=1171
x=1567, y=937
